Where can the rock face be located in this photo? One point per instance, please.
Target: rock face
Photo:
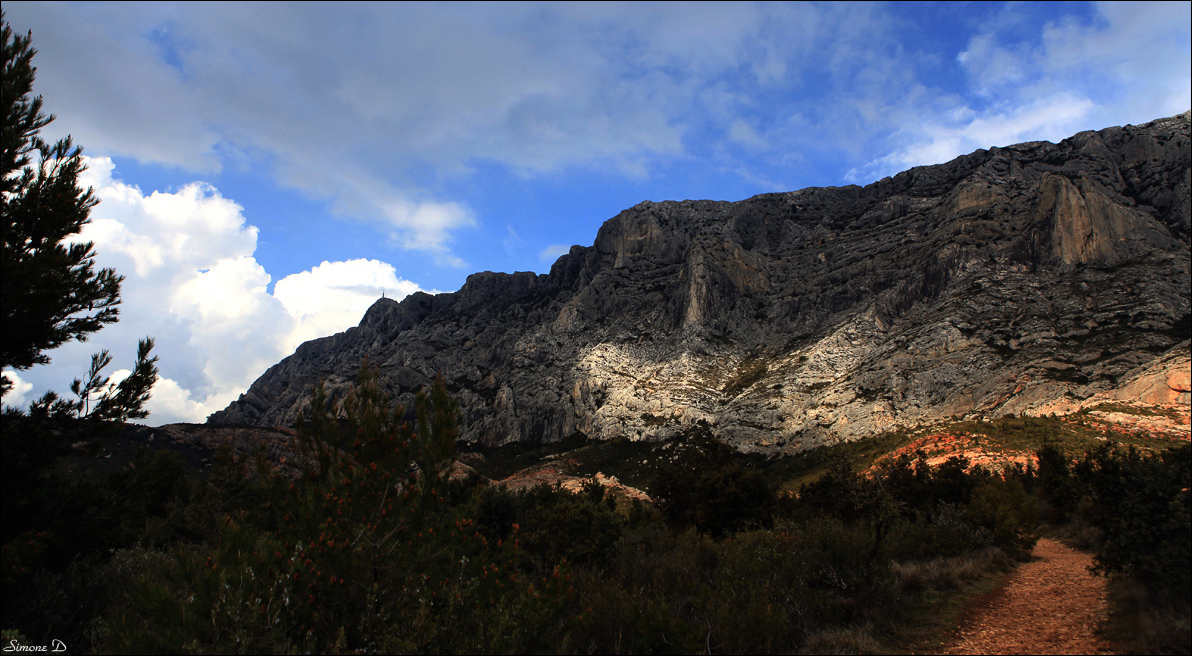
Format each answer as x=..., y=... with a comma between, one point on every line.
x=1010, y=280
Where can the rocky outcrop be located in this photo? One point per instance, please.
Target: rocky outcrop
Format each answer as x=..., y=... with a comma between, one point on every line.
x=1164, y=381
x=1005, y=281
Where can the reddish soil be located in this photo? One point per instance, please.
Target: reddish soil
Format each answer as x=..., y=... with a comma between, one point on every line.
x=560, y=472
x=939, y=447
x=1051, y=605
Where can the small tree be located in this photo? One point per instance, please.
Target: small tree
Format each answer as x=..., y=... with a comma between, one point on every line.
x=50, y=290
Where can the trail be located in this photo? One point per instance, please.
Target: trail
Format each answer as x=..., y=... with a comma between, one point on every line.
x=1051, y=605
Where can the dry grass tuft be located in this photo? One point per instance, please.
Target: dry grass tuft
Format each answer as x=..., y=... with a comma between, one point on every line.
x=947, y=573
x=843, y=640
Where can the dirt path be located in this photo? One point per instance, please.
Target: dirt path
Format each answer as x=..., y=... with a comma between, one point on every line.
x=1049, y=606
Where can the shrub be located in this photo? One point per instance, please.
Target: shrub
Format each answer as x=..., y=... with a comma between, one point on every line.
x=1056, y=484
x=706, y=490
x=1009, y=513
x=1141, y=505
x=948, y=531
x=557, y=525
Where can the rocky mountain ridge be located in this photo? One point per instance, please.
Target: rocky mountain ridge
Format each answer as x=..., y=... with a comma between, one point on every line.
x=1032, y=278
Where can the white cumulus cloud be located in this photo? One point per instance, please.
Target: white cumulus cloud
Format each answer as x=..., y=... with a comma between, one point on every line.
x=17, y=396
x=320, y=299
x=192, y=283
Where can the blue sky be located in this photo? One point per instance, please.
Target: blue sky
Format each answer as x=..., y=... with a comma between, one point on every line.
x=266, y=170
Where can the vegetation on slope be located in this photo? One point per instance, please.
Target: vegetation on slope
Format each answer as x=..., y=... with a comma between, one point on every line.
x=374, y=547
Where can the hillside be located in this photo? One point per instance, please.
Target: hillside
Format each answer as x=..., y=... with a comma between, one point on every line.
x=1037, y=278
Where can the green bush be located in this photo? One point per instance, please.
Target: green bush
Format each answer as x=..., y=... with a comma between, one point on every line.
x=703, y=488
x=1057, y=487
x=947, y=531
x=1141, y=505
x=1009, y=513
x=558, y=526
x=752, y=592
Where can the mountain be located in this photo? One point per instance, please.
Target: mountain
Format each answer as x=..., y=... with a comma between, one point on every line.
x=1028, y=279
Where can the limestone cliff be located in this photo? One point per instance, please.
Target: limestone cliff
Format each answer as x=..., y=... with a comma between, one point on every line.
x=1017, y=279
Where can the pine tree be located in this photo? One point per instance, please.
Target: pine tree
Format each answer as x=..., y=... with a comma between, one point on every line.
x=50, y=290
